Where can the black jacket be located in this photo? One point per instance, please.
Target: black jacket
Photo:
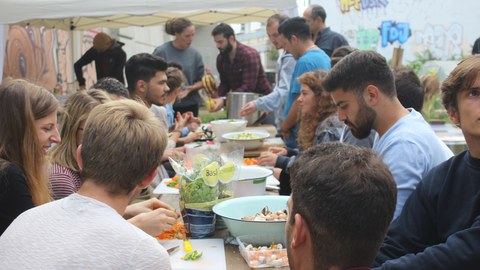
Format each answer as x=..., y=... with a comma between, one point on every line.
x=439, y=226
x=109, y=63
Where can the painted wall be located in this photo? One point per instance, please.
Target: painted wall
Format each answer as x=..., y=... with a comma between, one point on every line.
x=40, y=55
x=446, y=28
x=44, y=56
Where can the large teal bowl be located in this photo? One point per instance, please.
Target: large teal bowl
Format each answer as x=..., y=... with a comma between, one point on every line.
x=232, y=211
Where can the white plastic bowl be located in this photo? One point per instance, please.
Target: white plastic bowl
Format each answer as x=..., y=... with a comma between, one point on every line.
x=249, y=144
x=251, y=182
x=232, y=211
x=223, y=126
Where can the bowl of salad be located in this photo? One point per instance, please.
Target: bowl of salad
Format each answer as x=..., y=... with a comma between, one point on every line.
x=224, y=126
x=250, y=139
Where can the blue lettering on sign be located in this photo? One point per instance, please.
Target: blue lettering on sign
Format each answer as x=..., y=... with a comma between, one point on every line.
x=392, y=31
x=370, y=4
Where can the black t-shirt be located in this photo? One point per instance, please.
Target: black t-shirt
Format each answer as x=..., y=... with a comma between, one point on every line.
x=439, y=226
x=15, y=196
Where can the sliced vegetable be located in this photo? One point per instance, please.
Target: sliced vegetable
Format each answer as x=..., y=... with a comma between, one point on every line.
x=174, y=182
x=178, y=231
x=250, y=161
x=187, y=246
x=192, y=256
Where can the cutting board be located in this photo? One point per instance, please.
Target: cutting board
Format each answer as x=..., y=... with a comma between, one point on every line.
x=162, y=188
x=213, y=257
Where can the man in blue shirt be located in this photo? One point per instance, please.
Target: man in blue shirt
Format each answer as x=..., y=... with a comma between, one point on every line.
x=363, y=87
x=296, y=38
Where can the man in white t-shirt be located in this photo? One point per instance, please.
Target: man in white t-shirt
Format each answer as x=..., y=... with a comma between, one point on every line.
x=121, y=150
x=363, y=87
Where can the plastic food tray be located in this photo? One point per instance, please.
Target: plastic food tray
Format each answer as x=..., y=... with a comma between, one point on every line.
x=266, y=257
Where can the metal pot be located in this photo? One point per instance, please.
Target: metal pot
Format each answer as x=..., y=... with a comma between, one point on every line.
x=236, y=100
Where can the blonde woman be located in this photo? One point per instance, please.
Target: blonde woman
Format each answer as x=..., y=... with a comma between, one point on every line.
x=152, y=216
x=65, y=172
x=28, y=120
x=431, y=86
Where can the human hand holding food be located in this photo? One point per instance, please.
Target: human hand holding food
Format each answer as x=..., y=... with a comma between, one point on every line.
x=155, y=221
x=152, y=216
x=218, y=104
x=144, y=207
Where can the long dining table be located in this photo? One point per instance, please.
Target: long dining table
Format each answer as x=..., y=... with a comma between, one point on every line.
x=233, y=258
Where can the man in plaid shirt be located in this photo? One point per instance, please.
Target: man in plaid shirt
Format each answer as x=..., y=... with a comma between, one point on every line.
x=239, y=66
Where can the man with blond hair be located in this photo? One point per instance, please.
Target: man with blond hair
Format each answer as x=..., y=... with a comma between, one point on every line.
x=121, y=150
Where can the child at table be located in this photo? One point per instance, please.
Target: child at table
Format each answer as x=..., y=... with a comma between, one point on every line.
x=175, y=81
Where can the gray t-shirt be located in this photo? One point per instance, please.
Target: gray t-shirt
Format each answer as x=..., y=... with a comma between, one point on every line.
x=78, y=232
x=192, y=64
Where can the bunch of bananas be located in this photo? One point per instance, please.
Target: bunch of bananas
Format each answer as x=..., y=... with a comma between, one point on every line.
x=210, y=87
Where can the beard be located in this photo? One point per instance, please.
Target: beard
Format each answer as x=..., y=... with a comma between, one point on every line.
x=150, y=99
x=225, y=51
x=364, y=122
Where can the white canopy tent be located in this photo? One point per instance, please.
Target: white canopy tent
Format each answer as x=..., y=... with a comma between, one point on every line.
x=87, y=14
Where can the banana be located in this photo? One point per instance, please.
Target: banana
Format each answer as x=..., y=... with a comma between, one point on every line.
x=209, y=104
x=213, y=84
x=204, y=82
x=209, y=85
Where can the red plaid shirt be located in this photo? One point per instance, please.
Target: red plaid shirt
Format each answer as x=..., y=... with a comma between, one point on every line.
x=245, y=74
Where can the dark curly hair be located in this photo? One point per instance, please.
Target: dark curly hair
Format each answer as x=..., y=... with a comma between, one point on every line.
x=325, y=107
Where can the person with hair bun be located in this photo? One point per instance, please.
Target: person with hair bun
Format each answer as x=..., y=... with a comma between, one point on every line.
x=179, y=50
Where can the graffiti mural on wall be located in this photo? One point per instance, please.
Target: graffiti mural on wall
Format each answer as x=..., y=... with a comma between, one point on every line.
x=367, y=39
x=443, y=42
x=44, y=56
x=392, y=31
x=89, y=72
x=361, y=5
x=39, y=55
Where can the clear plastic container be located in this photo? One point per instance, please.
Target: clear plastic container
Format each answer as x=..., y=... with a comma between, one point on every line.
x=258, y=252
